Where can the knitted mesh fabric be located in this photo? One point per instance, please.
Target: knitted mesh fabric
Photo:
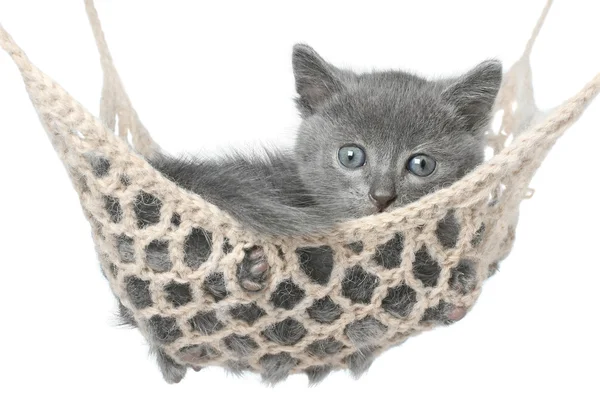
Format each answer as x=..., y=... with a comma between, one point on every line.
x=195, y=327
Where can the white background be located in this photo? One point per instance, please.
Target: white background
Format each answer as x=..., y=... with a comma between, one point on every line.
x=206, y=76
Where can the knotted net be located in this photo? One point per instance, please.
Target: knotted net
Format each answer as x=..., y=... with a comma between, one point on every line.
x=408, y=272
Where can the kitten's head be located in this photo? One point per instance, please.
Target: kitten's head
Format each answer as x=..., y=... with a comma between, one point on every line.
x=374, y=141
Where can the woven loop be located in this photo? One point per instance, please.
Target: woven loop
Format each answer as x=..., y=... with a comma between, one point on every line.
x=380, y=279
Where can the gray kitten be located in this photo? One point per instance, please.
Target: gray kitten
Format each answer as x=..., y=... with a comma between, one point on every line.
x=367, y=143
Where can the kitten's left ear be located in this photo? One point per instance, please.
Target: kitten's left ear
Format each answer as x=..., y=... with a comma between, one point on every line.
x=474, y=94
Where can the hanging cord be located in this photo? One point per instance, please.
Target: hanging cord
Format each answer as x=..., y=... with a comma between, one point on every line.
x=516, y=99
x=114, y=101
x=530, y=147
x=537, y=29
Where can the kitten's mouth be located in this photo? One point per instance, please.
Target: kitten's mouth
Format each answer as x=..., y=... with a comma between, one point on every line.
x=380, y=210
x=381, y=203
x=377, y=210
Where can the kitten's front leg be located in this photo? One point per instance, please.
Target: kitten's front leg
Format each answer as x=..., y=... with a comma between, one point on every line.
x=253, y=272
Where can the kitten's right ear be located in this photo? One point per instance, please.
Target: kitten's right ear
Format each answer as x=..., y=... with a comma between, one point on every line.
x=316, y=80
x=474, y=94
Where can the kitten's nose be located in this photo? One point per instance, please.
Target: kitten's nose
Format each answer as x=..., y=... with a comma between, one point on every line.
x=382, y=198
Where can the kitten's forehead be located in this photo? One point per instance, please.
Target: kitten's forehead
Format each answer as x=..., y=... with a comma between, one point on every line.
x=381, y=106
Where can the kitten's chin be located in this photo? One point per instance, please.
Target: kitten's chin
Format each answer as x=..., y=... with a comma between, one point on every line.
x=366, y=211
x=345, y=212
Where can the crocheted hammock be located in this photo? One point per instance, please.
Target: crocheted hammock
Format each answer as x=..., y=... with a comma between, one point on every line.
x=196, y=327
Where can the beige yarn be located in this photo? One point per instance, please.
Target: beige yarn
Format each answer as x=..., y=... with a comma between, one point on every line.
x=489, y=196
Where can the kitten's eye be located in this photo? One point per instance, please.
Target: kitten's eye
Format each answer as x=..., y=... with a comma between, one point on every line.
x=352, y=156
x=421, y=165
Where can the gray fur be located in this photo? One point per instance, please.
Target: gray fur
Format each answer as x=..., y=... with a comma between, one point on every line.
x=171, y=371
x=393, y=116
x=360, y=361
x=425, y=268
x=448, y=231
x=316, y=374
x=197, y=247
x=157, y=256
x=358, y=285
x=400, y=301
x=366, y=331
x=325, y=347
x=178, y=294
x=264, y=193
x=464, y=277
x=287, y=294
x=198, y=353
x=249, y=313
x=324, y=310
x=316, y=262
x=438, y=314
x=125, y=316
x=206, y=323
x=287, y=332
x=163, y=330
x=237, y=368
x=125, y=249
x=138, y=291
x=215, y=286
x=242, y=346
x=276, y=367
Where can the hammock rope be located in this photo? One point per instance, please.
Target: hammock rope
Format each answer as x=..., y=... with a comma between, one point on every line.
x=204, y=245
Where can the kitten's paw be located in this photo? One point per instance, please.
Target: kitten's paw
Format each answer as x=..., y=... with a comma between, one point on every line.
x=444, y=313
x=456, y=313
x=254, y=270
